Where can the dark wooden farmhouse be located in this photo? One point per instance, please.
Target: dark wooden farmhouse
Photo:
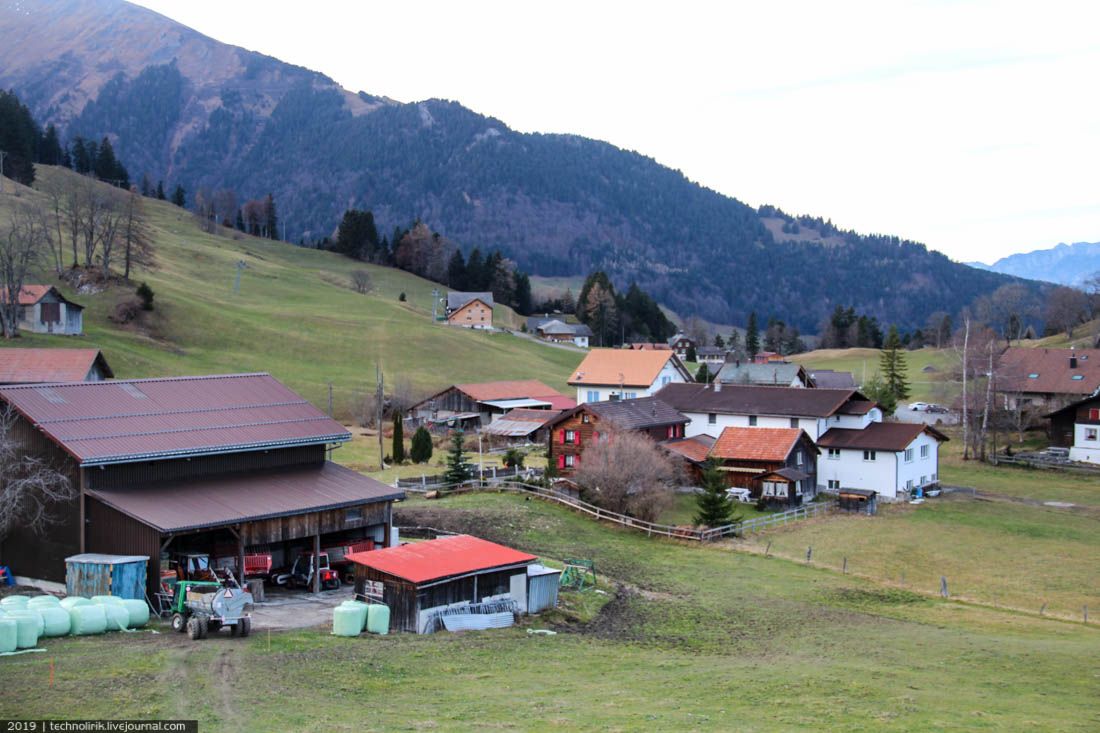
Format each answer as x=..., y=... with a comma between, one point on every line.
x=776, y=464
x=225, y=465
x=593, y=421
x=421, y=581
x=475, y=405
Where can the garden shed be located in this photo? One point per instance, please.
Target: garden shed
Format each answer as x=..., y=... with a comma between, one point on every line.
x=862, y=501
x=94, y=574
x=422, y=582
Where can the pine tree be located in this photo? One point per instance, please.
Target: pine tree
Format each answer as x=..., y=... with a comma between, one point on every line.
x=179, y=196
x=457, y=470
x=456, y=271
x=421, y=449
x=719, y=342
x=752, y=337
x=82, y=163
x=893, y=368
x=50, y=151
x=398, y=451
x=160, y=191
x=691, y=355
x=703, y=375
x=271, y=220
x=714, y=504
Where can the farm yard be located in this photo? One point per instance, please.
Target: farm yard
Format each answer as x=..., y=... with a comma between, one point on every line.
x=700, y=637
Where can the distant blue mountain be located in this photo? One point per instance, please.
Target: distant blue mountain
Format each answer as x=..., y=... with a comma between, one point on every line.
x=1066, y=264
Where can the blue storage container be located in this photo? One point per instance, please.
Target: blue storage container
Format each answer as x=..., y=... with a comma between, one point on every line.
x=92, y=574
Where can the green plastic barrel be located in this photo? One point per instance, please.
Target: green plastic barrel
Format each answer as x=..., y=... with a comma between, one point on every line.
x=107, y=600
x=71, y=601
x=43, y=602
x=347, y=620
x=26, y=635
x=118, y=618
x=138, y=612
x=9, y=635
x=55, y=621
x=378, y=618
x=89, y=619
x=13, y=602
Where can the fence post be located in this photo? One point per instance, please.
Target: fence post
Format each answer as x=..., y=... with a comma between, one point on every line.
x=1086, y=610
x=768, y=548
x=423, y=481
x=809, y=553
x=1042, y=609
x=845, y=569
x=943, y=586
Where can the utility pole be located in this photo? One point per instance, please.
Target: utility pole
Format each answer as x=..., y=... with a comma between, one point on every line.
x=379, y=400
x=2, y=156
x=480, y=458
x=241, y=265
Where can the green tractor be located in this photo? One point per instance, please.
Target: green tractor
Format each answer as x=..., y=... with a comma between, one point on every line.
x=203, y=606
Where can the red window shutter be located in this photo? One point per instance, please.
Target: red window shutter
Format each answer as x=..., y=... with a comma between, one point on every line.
x=577, y=437
x=576, y=460
x=561, y=461
x=562, y=437
x=1094, y=414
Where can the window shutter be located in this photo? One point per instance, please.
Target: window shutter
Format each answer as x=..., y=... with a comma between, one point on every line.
x=561, y=461
x=577, y=437
x=561, y=437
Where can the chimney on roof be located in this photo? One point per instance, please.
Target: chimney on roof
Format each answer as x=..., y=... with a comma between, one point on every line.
x=1073, y=358
x=717, y=385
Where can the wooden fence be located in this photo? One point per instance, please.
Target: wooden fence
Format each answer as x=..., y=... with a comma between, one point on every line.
x=424, y=483
x=650, y=528
x=998, y=459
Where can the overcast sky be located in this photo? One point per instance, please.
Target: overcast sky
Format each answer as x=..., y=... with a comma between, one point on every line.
x=973, y=127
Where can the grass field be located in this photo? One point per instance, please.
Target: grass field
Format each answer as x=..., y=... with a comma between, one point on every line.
x=864, y=364
x=296, y=317
x=696, y=637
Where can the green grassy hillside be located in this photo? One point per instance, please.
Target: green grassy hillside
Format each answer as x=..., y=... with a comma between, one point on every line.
x=864, y=364
x=295, y=316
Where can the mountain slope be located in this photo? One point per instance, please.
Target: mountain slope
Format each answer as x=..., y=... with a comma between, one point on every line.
x=1065, y=264
x=189, y=109
x=295, y=316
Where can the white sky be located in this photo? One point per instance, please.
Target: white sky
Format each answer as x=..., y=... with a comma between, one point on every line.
x=973, y=127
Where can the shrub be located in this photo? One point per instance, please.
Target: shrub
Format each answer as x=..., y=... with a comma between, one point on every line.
x=146, y=294
x=421, y=449
x=402, y=296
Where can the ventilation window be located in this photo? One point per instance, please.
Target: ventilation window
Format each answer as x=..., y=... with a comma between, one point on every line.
x=1033, y=375
x=1077, y=377
x=133, y=391
x=50, y=395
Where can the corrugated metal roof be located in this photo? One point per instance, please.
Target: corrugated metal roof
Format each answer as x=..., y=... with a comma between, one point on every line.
x=736, y=399
x=40, y=366
x=422, y=562
x=832, y=379
x=519, y=423
x=891, y=436
x=195, y=504
x=148, y=419
x=774, y=374
x=456, y=300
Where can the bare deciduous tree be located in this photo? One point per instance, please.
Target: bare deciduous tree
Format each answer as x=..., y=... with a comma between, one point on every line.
x=136, y=237
x=361, y=281
x=30, y=487
x=1066, y=309
x=626, y=472
x=24, y=248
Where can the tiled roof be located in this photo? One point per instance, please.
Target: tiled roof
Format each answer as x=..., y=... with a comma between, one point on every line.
x=179, y=506
x=40, y=366
x=755, y=444
x=423, y=562
x=28, y=294
x=637, y=414
x=148, y=419
x=1053, y=373
x=628, y=367
x=736, y=399
x=694, y=449
x=887, y=436
x=456, y=300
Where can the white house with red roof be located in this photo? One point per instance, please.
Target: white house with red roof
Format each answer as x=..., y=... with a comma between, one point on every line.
x=894, y=459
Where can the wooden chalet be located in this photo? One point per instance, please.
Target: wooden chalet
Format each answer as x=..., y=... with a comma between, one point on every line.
x=225, y=465
x=421, y=581
x=592, y=422
x=475, y=405
x=1077, y=427
x=470, y=310
x=776, y=464
x=1047, y=379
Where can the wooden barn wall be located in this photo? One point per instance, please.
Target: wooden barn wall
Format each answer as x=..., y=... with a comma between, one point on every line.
x=43, y=555
x=113, y=533
x=138, y=474
x=281, y=529
x=398, y=594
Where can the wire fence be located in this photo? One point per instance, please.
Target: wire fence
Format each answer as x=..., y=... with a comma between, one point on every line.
x=435, y=482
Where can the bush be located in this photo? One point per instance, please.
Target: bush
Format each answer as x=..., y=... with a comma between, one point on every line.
x=514, y=457
x=421, y=449
x=146, y=294
x=361, y=281
x=402, y=296
x=126, y=311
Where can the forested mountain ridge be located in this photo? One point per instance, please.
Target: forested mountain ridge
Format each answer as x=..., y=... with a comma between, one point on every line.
x=190, y=110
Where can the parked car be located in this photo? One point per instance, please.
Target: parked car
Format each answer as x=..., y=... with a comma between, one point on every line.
x=742, y=495
x=919, y=406
x=938, y=409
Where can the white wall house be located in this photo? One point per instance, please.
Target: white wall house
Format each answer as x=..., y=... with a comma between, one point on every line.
x=1077, y=427
x=894, y=459
x=607, y=374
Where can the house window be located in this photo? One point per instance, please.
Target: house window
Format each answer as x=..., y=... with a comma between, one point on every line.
x=665, y=380
x=934, y=478
x=712, y=418
x=1077, y=377
x=794, y=422
x=908, y=455
x=834, y=484
x=631, y=395
x=752, y=421
x=869, y=455
x=585, y=418
x=570, y=461
x=923, y=480
x=798, y=458
x=353, y=515
x=1090, y=434
x=924, y=451
x=834, y=454
x=798, y=488
x=909, y=485
x=570, y=436
x=593, y=395
x=1033, y=375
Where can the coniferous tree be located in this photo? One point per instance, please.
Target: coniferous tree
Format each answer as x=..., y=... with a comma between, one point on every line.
x=523, y=304
x=160, y=191
x=398, y=452
x=20, y=139
x=691, y=355
x=107, y=167
x=146, y=186
x=703, y=375
x=893, y=368
x=239, y=223
x=50, y=151
x=719, y=342
x=179, y=196
x=752, y=337
x=475, y=271
x=456, y=271
x=715, y=508
x=421, y=448
x=271, y=219
x=457, y=469
x=66, y=158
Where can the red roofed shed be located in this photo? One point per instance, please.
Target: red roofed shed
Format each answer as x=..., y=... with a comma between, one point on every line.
x=418, y=579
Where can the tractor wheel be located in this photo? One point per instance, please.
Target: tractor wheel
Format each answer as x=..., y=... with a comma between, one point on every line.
x=194, y=628
x=245, y=627
x=235, y=629
x=179, y=623
x=203, y=627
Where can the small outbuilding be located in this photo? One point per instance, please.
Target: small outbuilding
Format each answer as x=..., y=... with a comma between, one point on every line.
x=861, y=501
x=422, y=582
x=43, y=309
x=95, y=574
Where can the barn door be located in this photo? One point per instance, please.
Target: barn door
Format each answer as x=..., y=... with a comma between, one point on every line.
x=518, y=590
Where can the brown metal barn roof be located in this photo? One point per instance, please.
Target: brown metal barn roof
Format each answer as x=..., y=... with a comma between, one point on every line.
x=178, y=506
x=148, y=419
x=739, y=399
x=891, y=436
x=41, y=366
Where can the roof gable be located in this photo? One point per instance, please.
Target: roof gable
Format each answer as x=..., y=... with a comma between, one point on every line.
x=779, y=374
x=100, y=423
x=456, y=300
x=31, y=294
